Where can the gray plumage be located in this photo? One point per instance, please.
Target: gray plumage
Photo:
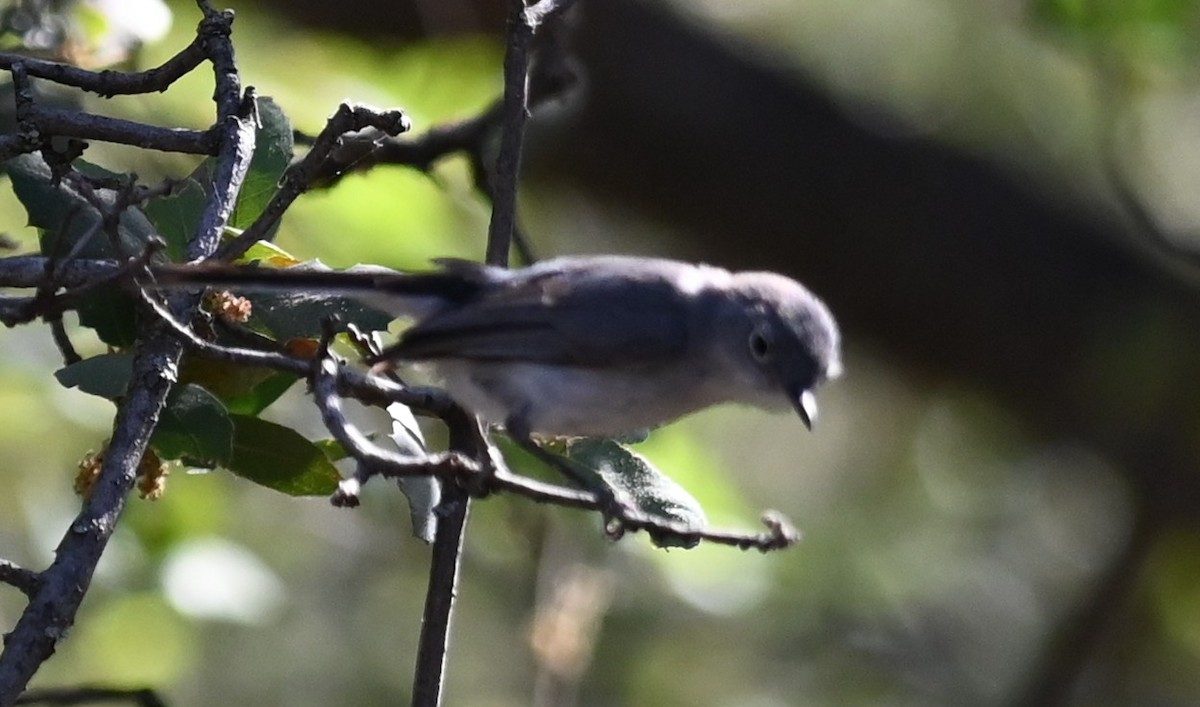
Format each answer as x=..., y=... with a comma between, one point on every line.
x=599, y=345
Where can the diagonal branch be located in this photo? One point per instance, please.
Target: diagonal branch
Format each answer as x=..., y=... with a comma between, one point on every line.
x=51, y=611
x=300, y=176
x=119, y=83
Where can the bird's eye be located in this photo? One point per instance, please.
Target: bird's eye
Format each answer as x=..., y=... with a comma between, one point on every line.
x=760, y=345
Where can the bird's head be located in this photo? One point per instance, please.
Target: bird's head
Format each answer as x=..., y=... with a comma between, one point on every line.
x=781, y=341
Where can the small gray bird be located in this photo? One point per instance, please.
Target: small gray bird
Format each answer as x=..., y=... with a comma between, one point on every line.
x=597, y=346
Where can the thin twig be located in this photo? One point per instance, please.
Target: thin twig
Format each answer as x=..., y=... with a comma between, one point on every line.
x=59, y=331
x=300, y=176
x=444, y=575
x=89, y=126
x=118, y=83
x=512, y=133
x=36, y=122
x=30, y=271
x=369, y=389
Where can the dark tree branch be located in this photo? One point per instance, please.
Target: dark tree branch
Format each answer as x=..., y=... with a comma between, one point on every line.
x=63, y=341
x=358, y=153
x=114, y=83
x=46, y=302
x=455, y=508
x=444, y=575
x=18, y=144
x=300, y=176
x=88, y=126
x=214, y=36
x=36, y=123
x=51, y=611
x=514, y=112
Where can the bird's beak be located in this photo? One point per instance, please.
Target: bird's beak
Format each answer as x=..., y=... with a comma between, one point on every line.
x=806, y=407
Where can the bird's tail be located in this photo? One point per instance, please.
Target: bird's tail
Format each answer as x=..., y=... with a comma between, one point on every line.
x=398, y=293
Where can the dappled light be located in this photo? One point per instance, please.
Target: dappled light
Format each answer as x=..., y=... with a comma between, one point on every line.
x=999, y=503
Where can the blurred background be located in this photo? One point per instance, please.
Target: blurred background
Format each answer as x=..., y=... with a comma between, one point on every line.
x=1000, y=503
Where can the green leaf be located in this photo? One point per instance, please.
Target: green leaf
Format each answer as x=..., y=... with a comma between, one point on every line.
x=65, y=217
x=106, y=375
x=246, y=390
x=262, y=395
x=298, y=315
x=270, y=254
x=632, y=476
x=112, y=314
x=272, y=154
x=332, y=449
x=194, y=428
x=273, y=147
x=68, y=223
x=177, y=216
x=280, y=458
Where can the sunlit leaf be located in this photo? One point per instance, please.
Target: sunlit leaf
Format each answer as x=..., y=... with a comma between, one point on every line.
x=269, y=254
x=332, y=449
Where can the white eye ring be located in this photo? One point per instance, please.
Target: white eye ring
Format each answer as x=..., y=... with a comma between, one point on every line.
x=760, y=344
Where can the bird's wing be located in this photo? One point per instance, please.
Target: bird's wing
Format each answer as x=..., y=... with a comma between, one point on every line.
x=558, y=317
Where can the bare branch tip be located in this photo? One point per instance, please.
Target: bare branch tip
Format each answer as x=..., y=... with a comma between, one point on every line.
x=347, y=494
x=781, y=533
